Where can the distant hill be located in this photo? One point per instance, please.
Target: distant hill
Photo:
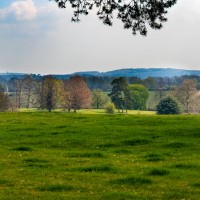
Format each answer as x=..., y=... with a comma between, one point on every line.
x=143, y=72
x=130, y=72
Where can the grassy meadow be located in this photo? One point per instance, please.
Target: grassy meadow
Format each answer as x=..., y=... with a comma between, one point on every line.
x=62, y=155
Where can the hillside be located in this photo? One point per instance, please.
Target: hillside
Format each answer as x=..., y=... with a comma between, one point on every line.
x=143, y=72
x=129, y=72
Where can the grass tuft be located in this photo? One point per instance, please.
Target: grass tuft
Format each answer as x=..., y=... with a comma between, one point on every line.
x=35, y=162
x=3, y=181
x=187, y=166
x=134, y=181
x=108, y=145
x=196, y=185
x=154, y=157
x=104, y=168
x=119, y=196
x=87, y=155
x=55, y=188
x=22, y=149
x=158, y=172
x=137, y=141
x=123, y=151
x=176, y=145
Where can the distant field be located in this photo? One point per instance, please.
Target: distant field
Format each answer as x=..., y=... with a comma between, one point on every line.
x=55, y=156
x=91, y=111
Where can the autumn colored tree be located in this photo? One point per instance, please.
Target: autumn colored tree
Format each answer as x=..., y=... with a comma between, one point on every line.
x=77, y=93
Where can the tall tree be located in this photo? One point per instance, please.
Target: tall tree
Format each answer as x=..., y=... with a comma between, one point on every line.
x=18, y=87
x=49, y=92
x=119, y=93
x=78, y=94
x=139, y=96
x=134, y=14
x=28, y=87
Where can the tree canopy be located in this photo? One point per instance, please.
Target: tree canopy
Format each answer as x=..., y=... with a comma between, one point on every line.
x=134, y=14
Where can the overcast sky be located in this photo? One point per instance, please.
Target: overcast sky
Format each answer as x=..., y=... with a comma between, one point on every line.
x=37, y=37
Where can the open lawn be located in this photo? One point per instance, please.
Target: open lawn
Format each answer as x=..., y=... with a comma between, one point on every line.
x=110, y=157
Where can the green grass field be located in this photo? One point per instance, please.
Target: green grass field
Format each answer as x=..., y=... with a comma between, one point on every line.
x=110, y=157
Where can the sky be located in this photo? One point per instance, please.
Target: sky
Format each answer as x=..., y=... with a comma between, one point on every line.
x=38, y=37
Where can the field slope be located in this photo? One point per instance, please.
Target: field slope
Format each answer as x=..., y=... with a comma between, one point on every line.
x=77, y=156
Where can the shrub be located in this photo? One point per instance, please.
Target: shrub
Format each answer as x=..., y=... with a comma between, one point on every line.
x=168, y=106
x=110, y=108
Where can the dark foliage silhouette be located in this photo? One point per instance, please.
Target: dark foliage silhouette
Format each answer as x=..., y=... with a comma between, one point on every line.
x=134, y=14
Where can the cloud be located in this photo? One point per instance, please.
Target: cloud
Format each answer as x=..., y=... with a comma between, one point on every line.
x=23, y=10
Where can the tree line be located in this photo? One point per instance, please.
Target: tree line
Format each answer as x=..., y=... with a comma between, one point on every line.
x=73, y=94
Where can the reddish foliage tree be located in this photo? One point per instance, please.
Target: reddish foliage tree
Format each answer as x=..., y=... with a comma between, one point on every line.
x=78, y=94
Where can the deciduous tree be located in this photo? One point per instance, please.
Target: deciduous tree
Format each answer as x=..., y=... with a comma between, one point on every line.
x=139, y=96
x=186, y=94
x=49, y=93
x=99, y=98
x=4, y=100
x=28, y=88
x=78, y=94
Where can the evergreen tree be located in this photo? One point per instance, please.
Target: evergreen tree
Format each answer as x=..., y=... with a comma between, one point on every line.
x=168, y=106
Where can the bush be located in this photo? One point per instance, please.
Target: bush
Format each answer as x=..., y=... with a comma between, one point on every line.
x=168, y=106
x=110, y=108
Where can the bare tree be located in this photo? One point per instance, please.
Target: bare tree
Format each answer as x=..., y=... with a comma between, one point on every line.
x=28, y=89
x=18, y=86
x=186, y=94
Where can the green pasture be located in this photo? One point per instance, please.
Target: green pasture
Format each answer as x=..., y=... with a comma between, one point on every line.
x=62, y=155
x=91, y=111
